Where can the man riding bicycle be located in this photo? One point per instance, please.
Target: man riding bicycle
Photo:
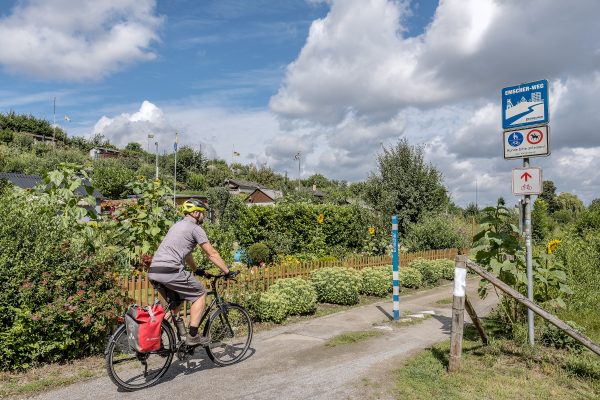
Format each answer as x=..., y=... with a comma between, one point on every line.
x=168, y=264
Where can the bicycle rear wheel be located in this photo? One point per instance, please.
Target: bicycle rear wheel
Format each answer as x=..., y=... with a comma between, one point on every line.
x=230, y=331
x=131, y=370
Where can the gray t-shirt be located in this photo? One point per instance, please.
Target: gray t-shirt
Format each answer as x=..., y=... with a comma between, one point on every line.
x=178, y=243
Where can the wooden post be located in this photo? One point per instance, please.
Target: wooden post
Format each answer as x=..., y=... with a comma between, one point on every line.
x=476, y=320
x=584, y=340
x=458, y=313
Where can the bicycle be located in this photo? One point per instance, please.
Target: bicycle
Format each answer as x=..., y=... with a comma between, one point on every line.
x=229, y=328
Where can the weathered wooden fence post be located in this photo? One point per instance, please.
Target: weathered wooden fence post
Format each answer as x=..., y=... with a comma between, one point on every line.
x=458, y=312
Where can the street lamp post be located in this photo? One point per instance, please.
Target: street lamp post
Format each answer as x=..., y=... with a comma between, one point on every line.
x=156, y=144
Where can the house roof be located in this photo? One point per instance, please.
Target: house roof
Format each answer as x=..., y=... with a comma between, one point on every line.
x=29, y=181
x=272, y=194
x=242, y=184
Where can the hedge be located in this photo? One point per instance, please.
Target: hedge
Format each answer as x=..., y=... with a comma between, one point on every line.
x=336, y=285
x=300, y=294
x=376, y=281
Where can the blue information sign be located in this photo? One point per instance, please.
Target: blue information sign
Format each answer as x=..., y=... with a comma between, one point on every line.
x=525, y=105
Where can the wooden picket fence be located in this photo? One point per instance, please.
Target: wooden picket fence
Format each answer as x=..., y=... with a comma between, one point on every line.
x=259, y=279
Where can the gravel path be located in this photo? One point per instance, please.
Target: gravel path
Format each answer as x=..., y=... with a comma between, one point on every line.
x=292, y=362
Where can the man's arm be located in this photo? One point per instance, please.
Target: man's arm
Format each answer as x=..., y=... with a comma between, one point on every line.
x=214, y=256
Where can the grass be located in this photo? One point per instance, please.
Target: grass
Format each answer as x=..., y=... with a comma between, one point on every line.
x=351, y=337
x=444, y=301
x=505, y=369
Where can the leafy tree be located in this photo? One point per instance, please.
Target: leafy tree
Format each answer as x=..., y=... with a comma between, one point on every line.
x=569, y=202
x=540, y=221
x=405, y=185
x=217, y=171
x=111, y=178
x=196, y=182
x=30, y=124
x=188, y=161
x=471, y=210
x=594, y=205
x=6, y=136
x=549, y=195
x=134, y=146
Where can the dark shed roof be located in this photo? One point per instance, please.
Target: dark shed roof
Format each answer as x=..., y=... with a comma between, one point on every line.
x=30, y=181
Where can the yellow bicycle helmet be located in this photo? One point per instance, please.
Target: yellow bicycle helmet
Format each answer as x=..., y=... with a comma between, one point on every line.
x=193, y=205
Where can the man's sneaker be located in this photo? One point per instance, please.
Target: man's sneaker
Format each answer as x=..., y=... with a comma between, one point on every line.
x=197, y=340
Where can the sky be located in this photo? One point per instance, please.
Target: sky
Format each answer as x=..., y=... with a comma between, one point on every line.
x=334, y=80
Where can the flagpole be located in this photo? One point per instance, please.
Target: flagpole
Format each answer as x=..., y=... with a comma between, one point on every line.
x=54, y=124
x=175, y=171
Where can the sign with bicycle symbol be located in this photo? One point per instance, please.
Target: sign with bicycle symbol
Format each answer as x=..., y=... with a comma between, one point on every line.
x=529, y=142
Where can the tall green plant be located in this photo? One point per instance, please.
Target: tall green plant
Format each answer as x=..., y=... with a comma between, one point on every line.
x=141, y=225
x=501, y=251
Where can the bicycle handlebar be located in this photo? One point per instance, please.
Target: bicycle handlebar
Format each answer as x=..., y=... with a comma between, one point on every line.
x=230, y=275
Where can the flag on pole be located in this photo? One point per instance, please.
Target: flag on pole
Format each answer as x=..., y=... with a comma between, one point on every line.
x=67, y=118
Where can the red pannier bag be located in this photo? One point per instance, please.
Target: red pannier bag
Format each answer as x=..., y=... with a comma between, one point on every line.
x=143, y=327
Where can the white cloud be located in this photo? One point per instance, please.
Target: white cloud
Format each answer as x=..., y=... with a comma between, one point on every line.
x=77, y=40
x=358, y=82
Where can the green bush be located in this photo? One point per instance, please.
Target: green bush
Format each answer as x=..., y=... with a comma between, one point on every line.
x=446, y=267
x=273, y=306
x=336, y=285
x=410, y=277
x=376, y=281
x=249, y=298
x=111, y=177
x=553, y=337
x=438, y=232
x=431, y=272
x=294, y=228
x=58, y=300
x=300, y=294
x=258, y=253
x=6, y=136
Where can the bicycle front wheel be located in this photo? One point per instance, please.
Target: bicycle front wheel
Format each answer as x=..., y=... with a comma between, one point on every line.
x=230, y=331
x=131, y=370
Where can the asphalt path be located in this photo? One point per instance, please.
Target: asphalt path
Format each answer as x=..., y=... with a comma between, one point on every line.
x=292, y=361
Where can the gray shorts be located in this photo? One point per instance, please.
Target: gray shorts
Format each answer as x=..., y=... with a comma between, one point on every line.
x=183, y=283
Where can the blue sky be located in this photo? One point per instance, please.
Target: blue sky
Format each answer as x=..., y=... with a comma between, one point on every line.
x=334, y=80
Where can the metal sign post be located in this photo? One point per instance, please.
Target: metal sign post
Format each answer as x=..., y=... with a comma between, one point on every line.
x=395, y=274
x=528, y=259
x=525, y=116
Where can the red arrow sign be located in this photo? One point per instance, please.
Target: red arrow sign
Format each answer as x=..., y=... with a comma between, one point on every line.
x=525, y=176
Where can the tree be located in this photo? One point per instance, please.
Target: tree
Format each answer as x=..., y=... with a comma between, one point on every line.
x=540, y=220
x=134, y=147
x=569, y=202
x=405, y=185
x=111, y=177
x=549, y=195
x=594, y=205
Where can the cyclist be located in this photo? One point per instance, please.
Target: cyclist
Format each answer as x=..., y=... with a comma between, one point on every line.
x=175, y=250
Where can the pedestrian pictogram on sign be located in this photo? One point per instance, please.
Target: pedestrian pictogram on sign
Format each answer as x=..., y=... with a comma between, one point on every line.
x=526, y=181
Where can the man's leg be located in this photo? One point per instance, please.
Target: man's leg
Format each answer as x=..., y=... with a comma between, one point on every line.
x=196, y=310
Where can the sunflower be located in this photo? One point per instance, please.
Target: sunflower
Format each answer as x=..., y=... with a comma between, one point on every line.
x=320, y=218
x=552, y=245
x=371, y=230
